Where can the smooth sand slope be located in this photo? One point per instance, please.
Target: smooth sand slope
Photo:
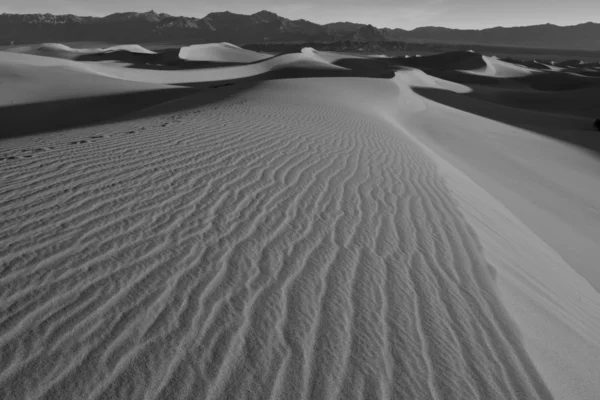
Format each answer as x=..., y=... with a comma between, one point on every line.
x=219, y=52
x=523, y=192
x=294, y=238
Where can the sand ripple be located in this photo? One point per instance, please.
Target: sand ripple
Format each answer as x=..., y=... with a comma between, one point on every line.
x=269, y=246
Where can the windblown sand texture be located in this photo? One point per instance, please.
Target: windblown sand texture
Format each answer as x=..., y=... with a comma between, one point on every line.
x=296, y=228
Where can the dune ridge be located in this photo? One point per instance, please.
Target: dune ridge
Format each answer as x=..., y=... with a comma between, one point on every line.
x=532, y=201
x=220, y=52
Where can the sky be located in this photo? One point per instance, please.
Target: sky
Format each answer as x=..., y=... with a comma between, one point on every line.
x=406, y=14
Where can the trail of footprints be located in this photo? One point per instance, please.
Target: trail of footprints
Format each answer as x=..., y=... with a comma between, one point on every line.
x=28, y=153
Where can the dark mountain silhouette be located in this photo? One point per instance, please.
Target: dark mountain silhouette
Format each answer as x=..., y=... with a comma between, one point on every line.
x=267, y=27
x=582, y=36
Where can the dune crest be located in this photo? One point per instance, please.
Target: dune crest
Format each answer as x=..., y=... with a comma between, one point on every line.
x=220, y=52
x=500, y=69
x=59, y=50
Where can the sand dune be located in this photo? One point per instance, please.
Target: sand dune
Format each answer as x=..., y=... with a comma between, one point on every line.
x=328, y=237
x=132, y=48
x=300, y=263
x=42, y=94
x=220, y=52
x=500, y=69
x=306, y=61
x=59, y=50
x=456, y=60
x=533, y=202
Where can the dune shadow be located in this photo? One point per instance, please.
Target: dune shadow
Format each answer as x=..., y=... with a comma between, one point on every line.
x=169, y=60
x=35, y=118
x=462, y=77
x=558, y=81
x=42, y=117
x=165, y=60
x=297, y=72
x=541, y=80
x=456, y=66
x=454, y=60
x=368, y=67
x=570, y=128
x=184, y=65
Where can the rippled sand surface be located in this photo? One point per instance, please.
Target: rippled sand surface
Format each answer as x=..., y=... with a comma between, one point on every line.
x=290, y=241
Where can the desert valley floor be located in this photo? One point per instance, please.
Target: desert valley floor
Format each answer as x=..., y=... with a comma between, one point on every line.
x=307, y=226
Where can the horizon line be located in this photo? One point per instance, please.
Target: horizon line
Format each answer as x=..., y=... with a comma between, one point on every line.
x=303, y=19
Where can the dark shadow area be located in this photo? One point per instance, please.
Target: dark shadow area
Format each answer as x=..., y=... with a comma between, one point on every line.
x=565, y=103
x=195, y=95
x=452, y=66
x=169, y=60
x=455, y=60
x=569, y=63
x=594, y=73
x=541, y=81
x=558, y=81
x=293, y=73
x=34, y=118
x=533, y=64
x=444, y=65
x=185, y=65
x=571, y=67
x=573, y=129
x=368, y=67
x=166, y=60
x=462, y=77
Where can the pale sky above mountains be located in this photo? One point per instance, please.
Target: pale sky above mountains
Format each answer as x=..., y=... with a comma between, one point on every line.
x=406, y=14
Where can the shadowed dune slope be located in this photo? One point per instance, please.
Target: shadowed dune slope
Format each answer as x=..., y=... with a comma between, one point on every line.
x=42, y=94
x=456, y=60
x=65, y=93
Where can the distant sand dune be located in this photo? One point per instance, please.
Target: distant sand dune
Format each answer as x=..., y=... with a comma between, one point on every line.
x=73, y=93
x=59, y=50
x=220, y=52
x=501, y=69
x=456, y=60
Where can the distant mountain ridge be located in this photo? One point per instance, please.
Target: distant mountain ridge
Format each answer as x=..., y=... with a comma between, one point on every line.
x=267, y=27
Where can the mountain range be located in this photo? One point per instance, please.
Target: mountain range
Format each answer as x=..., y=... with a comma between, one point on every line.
x=267, y=27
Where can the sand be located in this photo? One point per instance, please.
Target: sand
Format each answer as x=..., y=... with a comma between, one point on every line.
x=299, y=232
x=219, y=52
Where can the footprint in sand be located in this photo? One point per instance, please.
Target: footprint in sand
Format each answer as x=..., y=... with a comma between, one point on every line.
x=26, y=153
x=36, y=150
x=16, y=157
